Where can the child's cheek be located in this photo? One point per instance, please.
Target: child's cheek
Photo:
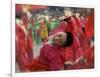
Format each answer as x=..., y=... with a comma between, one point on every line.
x=57, y=43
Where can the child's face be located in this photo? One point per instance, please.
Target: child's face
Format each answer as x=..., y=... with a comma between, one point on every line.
x=59, y=38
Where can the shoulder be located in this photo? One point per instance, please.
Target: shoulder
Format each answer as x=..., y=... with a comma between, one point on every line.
x=45, y=48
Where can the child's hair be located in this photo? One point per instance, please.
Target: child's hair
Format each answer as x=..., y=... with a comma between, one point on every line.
x=69, y=39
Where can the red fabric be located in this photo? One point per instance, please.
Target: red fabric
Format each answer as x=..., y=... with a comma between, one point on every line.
x=30, y=41
x=90, y=26
x=52, y=57
x=25, y=21
x=83, y=20
x=71, y=25
x=21, y=55
x=62, y=28
x=30, y=46
x=73, y=53
x=36, y=66
x=18, y=8
x=89, y=56
x=24, y=47
x=68, y=25
x=79, y=25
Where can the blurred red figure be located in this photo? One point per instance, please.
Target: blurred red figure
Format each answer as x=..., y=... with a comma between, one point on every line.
x=89, y=56
x=89, y=52
x=90, y=26
x=29, y=42
x=24, y=43
x=80, y=33
x=74, y=53
x=21, y=55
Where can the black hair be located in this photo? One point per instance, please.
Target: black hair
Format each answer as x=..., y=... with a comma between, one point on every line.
x=18, y=16
x=83, y=29
x=69, y=39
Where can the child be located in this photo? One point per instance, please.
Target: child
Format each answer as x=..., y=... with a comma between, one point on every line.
x=52, y=53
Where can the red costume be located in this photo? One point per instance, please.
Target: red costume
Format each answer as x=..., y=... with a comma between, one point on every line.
x=51, y=58
x=89, y=52
x=29, y=42
x=90, y=26
x=74, y=52
x=21, y=55
x=89, y=55
x=24, y=45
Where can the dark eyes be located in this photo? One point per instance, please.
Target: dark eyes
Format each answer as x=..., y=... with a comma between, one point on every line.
x=60, y=35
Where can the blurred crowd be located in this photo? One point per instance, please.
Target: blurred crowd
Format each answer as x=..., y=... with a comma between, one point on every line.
x=35, y=24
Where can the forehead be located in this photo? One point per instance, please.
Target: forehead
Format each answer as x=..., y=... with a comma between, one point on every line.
x=62, y=33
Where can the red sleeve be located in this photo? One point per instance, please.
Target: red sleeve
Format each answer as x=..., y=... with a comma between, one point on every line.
x=77, y=47
x=79, y=24
x=62, y=27
x=43, y=54
x=68, y=54
x=56, y=65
